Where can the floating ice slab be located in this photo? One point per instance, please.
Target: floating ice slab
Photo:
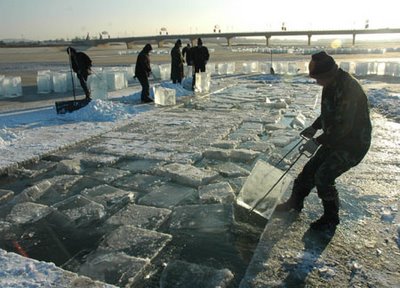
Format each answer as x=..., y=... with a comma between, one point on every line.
x=34, y=192
x=81, y=210
x=182, y=274
x=115, y=268
x=136, y=242
x=239, y=155
x=137, y=182
x=5, y=196
x=28, y=212
x=69, y=166
x=169, y=195
x=109, y=196
x=202, y=218
x=221, y=192
x=108, y=174
x=140, y=216
x=188, y=174
x=19, y=271
x=93, y=160
x=229, y=169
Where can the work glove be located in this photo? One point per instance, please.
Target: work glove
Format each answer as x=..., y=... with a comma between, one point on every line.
x=309, y=132
x=310, y=147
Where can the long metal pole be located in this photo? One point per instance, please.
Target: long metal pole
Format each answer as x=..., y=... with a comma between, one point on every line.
x=72, y=76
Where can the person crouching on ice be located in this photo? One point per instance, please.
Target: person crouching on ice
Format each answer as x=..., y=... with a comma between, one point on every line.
x=345, y=139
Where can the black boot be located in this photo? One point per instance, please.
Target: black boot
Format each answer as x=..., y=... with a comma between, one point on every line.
x=330, y=219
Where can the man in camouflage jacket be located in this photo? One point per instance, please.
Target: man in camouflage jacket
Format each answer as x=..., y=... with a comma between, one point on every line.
x=345, y=139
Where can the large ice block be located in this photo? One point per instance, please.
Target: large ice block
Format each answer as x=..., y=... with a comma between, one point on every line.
x=72, y=78
x=231, y=68
x=44, y=82
x=210, y=67
x=362, y=68
x=254, y=67
x=222, y=68
x=246, y=68
x=1, y=85
x=203, y=82
x=262, y=178
x=98, y=86
x=60, y=82
x=115, y=80
x=165, y=71
x=164, y=96
x=189, y=71
x=292, y=68
x=155, y=70
x=12, y=86
x=392, y=69
x=265, y=68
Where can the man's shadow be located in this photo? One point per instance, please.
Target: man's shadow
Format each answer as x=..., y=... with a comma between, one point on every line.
x=315, y=243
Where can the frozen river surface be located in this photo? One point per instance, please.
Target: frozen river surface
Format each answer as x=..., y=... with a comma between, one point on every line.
x=142, y=194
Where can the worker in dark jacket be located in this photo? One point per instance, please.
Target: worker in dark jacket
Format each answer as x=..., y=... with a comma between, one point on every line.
x=142, y=72
x=200, y=56
x=186, y=54
x=81, y=65
x=176, y=63
x=345, y=139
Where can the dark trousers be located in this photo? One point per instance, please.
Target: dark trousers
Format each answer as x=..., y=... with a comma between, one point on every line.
x=82, y=79
x=144, y=82
x=197, y=69
x=322, y=170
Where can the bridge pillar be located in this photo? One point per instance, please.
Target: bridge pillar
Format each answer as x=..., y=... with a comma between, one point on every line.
x=160, y=43
x=354, y=39
x=309, y=39
x=228, y=39
x=267, y=37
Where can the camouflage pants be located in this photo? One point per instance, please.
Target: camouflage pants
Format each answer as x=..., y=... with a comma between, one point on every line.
x=322, y=170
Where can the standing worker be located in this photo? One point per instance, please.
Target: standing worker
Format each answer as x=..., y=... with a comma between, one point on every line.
x=345, y=139
x=186, y=53
x=142, y=72
x=81, y=65
x=200, y=56
x=176, y=63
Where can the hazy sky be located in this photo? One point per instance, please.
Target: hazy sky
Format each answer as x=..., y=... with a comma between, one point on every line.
x=51, y=19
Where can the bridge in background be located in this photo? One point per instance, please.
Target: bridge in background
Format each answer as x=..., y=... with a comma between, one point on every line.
x=160, y=39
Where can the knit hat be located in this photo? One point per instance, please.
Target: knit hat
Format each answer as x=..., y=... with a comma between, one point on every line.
x=322, y=66
x=199, y=41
